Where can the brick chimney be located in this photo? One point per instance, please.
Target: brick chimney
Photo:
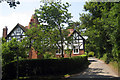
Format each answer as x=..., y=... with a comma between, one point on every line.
x=33, y=20
x=5, y=31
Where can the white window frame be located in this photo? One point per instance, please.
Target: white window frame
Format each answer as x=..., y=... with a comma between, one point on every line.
x=74, y=51
x=59, y=52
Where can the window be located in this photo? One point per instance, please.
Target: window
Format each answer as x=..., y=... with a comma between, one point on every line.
x=81, y=46
x=18, y=31
x=76, y=50
x=59, y=52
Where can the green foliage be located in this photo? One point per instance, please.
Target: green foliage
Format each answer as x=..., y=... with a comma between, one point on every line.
x=50, y=34
x=39, y=39
x=0, y=50
x=54, y=14
x=105, y=58
x=45, y=67
x=102, y=28
x=91, y=54
x=11, y=49
x=86, y=53
x=68, y=52
x=48, y=55
x=74, y=25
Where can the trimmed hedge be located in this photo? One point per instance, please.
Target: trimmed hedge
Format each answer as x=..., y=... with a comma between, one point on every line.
x=37, y=67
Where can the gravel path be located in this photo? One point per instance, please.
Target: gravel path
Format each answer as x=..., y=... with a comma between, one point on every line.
x=97, y=69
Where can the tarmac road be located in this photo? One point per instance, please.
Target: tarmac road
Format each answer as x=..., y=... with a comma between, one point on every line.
x=97, y=69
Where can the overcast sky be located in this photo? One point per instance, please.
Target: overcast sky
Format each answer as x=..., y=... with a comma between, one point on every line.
x=10, y=17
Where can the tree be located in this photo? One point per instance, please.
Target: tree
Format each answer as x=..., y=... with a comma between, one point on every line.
x=0, y=49
x=45, y=40
x=0, y=46
x=101, y=25
x=73, y=25
x=39, y=39
x=52, y=16
x=11, y=49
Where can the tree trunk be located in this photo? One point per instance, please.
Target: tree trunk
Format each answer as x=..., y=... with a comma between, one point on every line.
x=70, y=53
x=61, y=42
x=62, y=51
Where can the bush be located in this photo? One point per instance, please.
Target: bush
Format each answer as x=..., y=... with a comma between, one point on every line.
x=48, y=55
x=36, y=67
x=91, y=54
x=105, y=58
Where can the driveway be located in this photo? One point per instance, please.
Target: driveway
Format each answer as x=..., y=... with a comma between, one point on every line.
x=97, y=69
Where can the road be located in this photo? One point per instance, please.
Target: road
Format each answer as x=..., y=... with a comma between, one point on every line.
x=97, y=69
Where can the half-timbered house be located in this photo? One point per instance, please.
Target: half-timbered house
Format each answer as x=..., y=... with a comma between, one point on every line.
x=17, y=32
x=77, y=45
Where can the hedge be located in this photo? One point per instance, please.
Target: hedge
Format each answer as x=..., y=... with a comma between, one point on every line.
x=37, y=67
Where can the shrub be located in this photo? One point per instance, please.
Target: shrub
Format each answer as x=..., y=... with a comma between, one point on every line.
x=36, y=67
x=86, y=54
x=48, y=55
x=91, y=54
x=105, y=58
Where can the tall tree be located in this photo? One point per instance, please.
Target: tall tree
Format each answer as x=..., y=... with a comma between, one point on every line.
x=52, y=16
x=0, y=49
x=101, y=25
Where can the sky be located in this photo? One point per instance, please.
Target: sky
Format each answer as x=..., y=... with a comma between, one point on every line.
x=22, y=14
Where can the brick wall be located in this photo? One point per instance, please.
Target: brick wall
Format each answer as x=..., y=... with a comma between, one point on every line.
x=32, y=54
x=68, y=55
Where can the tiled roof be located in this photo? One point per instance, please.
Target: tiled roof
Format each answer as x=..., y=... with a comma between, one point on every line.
x=24, y=28
x=72, y=31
